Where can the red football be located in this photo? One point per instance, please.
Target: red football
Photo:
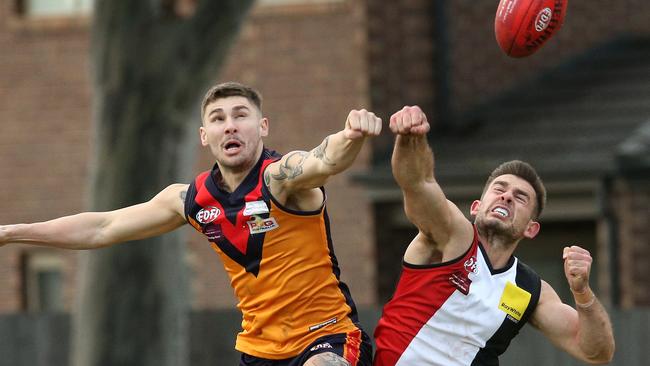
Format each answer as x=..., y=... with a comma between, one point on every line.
x=523, y=26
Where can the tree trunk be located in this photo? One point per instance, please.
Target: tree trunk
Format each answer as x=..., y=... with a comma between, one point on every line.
x=150, y=69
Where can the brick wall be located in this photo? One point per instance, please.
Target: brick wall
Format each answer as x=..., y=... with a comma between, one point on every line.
x=45, y=135
x=631, y=199
x=400, y=56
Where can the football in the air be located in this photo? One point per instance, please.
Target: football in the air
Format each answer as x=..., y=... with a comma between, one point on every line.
x=523, y=26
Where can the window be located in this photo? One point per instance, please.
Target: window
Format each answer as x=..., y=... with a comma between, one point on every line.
x=54, y=8
x=42, y=281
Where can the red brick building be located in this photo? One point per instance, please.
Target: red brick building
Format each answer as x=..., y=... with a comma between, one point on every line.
x=313, y=61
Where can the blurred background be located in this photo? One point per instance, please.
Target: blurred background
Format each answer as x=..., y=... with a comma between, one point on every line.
x=578, y=110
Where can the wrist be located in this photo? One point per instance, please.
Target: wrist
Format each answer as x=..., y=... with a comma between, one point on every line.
x=584, y=299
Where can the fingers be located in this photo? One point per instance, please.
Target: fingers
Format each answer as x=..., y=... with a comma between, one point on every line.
x=409, y=121
x=362, y=123
x=577, y=266
x=577, y=256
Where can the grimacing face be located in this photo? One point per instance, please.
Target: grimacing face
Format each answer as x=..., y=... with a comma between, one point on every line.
x=507, y=208
x=233, y=128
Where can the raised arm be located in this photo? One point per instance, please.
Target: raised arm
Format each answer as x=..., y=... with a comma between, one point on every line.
x=585, y=332
x=441, y=224
x=295, y=178
x=90, y=230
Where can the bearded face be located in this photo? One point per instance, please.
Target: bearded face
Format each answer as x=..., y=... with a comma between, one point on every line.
x=506, y=209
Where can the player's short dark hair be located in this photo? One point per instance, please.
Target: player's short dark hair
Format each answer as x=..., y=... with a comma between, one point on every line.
x=231, y=89
x=526, y=172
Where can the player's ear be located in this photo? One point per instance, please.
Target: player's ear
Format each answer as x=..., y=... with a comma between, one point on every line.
x=264, y=127
x=204, y=136
x=473, y=209
x=532, y=229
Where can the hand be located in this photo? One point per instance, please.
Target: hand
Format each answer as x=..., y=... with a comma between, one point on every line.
x=409, y=121
x=361, y=123
x=577, y=266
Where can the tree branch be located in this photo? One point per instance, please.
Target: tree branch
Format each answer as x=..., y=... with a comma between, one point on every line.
x=207, y=37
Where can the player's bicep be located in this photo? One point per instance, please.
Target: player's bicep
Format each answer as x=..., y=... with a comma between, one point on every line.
x=161, y=214
x=434, y=215
x=556, y=320
x=297, y=170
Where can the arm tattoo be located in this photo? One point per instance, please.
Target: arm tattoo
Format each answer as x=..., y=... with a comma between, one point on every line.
x=320, y=154
x=267, y=178
x=327, y=359
x=183, y=195
x=291, y=171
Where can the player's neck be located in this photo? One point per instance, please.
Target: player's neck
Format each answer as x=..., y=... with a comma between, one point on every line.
x=499, y=248
x=230, y=181
x=230, y=178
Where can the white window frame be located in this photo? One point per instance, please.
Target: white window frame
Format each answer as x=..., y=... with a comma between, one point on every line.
x=37, y=262
x=295, y=2
x=56, y=8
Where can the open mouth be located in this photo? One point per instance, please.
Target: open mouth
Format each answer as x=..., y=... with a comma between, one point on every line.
x=232, y=146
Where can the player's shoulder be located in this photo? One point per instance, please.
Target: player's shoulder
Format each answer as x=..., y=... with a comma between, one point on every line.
x=172, y=198
x=176, y=187
x=172, y=192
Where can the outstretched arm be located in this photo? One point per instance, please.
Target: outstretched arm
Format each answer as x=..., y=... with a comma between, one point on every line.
x=584, y=332
x=441, y=224
x=90, y=230
x=294, y=177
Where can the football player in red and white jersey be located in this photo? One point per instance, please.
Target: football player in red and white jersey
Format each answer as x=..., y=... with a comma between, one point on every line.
x=465, y=307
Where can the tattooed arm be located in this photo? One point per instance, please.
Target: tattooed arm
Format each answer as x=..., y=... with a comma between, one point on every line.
x=294, y=179
x=90, y=230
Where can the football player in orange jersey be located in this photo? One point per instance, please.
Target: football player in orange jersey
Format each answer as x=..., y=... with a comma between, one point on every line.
x=264, y=214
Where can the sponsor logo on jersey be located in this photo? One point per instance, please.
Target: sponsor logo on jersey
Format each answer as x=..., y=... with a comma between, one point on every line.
x=470, y=265
x=323, y=324
x=514, y=301
x=260, y=225
x=213, y=232
x=461, y=281
x=255, y=208
x=325, y=345
x=208, y=214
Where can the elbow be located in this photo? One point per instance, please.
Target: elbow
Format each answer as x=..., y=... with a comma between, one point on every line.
x=101, y=238
x=605, y=356
x=608, y=356
x=600, y=361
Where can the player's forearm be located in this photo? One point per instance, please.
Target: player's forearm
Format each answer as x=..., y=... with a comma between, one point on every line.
x=595, y=336
x=412, y=161
x=337, y=153
x=81, y=231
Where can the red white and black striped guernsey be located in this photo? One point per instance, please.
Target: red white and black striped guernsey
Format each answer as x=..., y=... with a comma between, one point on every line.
x=457, y=313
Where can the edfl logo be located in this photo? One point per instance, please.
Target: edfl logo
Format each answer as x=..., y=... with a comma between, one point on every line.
x=208, y=214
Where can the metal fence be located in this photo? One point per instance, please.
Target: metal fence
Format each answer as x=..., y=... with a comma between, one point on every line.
x=43, y=340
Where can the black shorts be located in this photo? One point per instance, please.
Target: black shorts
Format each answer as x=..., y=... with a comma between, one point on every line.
x=354, y=347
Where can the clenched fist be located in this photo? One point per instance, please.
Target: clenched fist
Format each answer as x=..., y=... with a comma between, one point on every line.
x=361, y=123
x=577, y=266
x=409, y=121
